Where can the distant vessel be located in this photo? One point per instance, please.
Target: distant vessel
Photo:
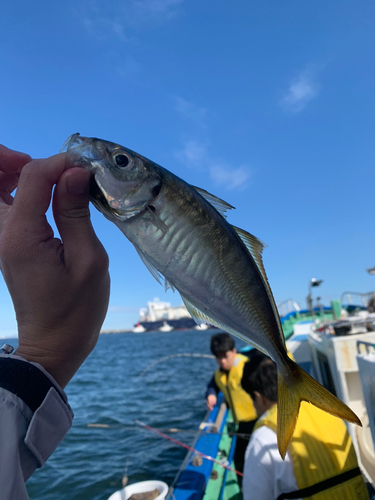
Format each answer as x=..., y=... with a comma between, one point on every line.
x=203, y=326
x=139, y=328
x=153, y=317
x=165, y=327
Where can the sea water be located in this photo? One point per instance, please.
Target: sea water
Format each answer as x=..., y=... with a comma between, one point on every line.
x=91, y=461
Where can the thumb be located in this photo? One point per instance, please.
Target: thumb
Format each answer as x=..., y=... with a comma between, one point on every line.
x=72, y=215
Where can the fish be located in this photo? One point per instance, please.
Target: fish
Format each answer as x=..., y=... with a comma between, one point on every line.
x=182, y=236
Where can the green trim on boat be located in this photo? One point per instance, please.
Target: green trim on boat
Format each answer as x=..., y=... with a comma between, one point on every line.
x=300, y=317
x=232, y=490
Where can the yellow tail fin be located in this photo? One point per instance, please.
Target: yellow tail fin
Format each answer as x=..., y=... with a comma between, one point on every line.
x=298, y=386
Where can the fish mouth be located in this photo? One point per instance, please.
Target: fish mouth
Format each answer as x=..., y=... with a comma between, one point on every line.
x=72, y=140
x=99, y=200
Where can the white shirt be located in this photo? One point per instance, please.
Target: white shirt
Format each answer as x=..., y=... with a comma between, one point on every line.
x=266, y=474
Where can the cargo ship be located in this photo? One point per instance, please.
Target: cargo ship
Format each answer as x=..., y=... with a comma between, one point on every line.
x=159, y=315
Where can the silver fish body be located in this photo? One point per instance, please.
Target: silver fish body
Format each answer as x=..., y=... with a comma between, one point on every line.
x=183, y=237
x=181, y=234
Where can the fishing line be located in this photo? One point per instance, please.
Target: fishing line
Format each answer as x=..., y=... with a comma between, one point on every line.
x=171, y=430
x=185, y=355
x=203, y=455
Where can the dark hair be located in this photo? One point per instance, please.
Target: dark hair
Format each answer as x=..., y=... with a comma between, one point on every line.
x=221, y=343
x=261, y=376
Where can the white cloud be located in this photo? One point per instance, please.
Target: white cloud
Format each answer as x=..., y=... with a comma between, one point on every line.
x=230, y=178
x=301, y=91
x=124, y=16
x=190, y=111
x=193, y=153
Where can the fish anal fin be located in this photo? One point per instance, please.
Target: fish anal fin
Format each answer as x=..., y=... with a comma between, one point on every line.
x=298, y=387
x=198, y=316
x=220, y=205
x=167, y=285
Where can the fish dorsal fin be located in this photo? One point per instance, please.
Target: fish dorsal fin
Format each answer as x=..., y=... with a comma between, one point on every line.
x=255, y=247
x=155, y=273
x=220, y=205
x=199, y=317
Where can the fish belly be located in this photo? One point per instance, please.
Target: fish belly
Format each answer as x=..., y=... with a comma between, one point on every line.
x=201, y=256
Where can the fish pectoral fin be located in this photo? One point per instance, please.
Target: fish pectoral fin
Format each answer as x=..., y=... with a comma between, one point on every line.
x=299, y=387
x=156, y=220
x=155, y=273
x=220, y=205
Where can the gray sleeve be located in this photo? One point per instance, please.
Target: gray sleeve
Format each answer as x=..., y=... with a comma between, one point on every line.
x=27, y=438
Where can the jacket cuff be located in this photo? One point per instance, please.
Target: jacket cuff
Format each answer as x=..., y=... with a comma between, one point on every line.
x=52, y=415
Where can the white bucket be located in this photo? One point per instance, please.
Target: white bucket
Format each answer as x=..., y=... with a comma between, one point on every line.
x=141, y=487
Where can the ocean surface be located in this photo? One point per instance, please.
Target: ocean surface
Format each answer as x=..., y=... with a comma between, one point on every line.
x=91, y=461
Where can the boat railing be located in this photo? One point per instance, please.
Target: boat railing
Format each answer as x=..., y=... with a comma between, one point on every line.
x=288, y=306
x=364, y=297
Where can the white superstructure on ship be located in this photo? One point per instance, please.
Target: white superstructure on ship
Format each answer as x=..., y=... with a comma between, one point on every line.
x=158, y=313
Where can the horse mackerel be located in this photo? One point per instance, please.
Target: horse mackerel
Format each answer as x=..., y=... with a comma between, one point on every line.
x=181, y=233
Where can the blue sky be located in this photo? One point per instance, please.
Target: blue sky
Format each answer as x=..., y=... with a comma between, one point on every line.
x=270, y=105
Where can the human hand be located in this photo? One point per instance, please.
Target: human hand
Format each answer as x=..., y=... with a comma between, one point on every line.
x=59, y=288
x=211, y=401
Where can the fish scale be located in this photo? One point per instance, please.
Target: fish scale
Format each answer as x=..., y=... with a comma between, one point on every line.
x=181, y=233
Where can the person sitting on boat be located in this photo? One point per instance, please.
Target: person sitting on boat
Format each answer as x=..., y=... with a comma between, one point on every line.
x=320, y=463
x=227, y=379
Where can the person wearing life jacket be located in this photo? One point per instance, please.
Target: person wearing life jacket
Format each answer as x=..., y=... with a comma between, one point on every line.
x=227, y=379
x=320, y=463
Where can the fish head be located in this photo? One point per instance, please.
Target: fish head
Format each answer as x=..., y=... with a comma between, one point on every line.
x=123, y=182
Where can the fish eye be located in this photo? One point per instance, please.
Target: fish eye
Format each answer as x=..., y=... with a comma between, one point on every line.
x=121, y=160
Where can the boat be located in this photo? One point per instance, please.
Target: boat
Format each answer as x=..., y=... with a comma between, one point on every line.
x=336, y=345
x=323, y=340
x=202, y=327
x=165, y=327
x=152, y=317
x=139, y=328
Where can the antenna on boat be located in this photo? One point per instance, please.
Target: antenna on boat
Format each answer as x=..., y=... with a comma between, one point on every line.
x=312, y=283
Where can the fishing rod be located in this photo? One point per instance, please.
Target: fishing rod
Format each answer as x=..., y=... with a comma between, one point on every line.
x=181, y=355
x=203, y=455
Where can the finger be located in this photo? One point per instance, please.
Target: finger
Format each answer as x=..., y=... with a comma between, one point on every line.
x=72, y=217
x=8, y=183
x=12, y=161
x=34, y=190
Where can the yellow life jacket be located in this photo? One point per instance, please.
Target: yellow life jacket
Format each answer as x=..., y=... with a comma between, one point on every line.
x=238, y=400
x=323, y=454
